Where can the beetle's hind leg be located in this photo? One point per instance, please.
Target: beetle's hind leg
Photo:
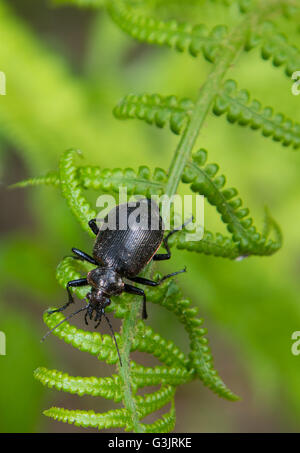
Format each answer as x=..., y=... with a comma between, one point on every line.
x=130, y=289
x=93, y=226
x=167, y=256
x=73, y=284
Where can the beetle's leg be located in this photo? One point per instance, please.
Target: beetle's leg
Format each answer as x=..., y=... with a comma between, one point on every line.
x=84, y=256
x=167, y=256
x=138, y=292
x=93, y=226
x=164, y=256
x=147, y=282
x=73, y=284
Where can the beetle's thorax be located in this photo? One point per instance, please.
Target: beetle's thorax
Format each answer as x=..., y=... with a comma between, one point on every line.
x=105, y=281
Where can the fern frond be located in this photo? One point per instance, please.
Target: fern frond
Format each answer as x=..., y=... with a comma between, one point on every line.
x=165, y=424
x=95, y=344
x=146, y=340
x=116, y=418
x=145, y=376
x=72, y=192
x=216, y=244
x=143, y=181
x=92, y=177
x=160, y=110
x=102, y=346
x=237, y=219
x=49, y=179
x=238, y=109
x=275, y=47
x=156, y=109
x=108, y=387
x=154, y=401
x=170, y=298
x=181, y=37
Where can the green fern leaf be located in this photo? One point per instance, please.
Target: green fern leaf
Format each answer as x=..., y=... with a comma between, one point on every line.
x=72, y=192
x=109, y=387
x=116, y=418
x=95, y=344
x=217, y=245
x=238, y=109
x=237, y=219
x=275, y=47
x=165, y=424
x=50, y=179
x=152, y=402
x=200, y=357
x=106, y=180
x=146, y=376
x=156, y=109
x=181, y=37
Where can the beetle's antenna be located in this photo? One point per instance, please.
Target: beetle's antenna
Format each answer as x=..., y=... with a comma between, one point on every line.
x=64, y=320
x=113, y=334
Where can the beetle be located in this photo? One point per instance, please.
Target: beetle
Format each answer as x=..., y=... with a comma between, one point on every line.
x=126, y=242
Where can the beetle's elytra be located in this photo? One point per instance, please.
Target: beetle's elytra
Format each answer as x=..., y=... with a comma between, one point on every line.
x=124, y=245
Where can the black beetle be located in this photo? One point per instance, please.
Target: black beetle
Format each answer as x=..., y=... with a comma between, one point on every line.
x=128, y=239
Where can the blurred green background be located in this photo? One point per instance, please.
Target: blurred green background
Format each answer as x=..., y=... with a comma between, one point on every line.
x=66, y=69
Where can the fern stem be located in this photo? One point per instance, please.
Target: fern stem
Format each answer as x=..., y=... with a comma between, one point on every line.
x=206, y=96
x=128, y=329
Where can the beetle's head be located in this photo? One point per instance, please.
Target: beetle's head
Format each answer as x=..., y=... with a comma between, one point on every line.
x=105, y=281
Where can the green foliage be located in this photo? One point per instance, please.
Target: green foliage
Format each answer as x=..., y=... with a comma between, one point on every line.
x=185, y=117
x=181, y=37
x=156, y=109
x=237, y=220
x=238, y=109
x=136, y=182
x=275, y=46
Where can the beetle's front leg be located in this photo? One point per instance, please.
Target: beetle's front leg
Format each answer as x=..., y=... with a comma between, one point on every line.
x=130, y=289
x=73, y=284
x=93, y=226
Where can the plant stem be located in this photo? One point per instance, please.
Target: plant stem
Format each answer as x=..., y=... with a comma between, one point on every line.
x=206, y=96
x=128, y=329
